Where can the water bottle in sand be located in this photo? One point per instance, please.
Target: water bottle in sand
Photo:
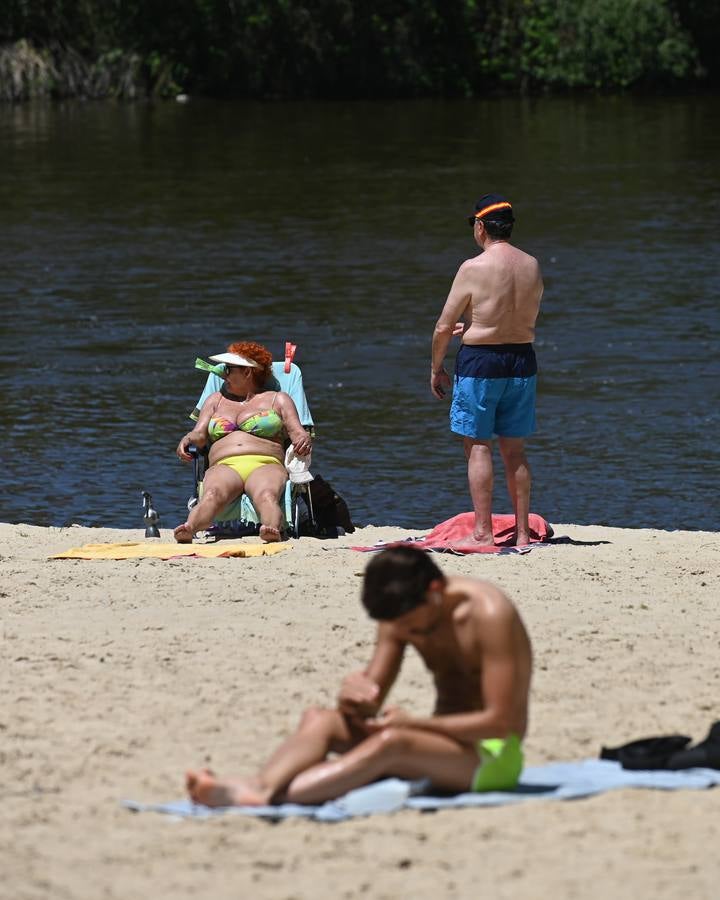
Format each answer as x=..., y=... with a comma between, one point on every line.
x=151, y=517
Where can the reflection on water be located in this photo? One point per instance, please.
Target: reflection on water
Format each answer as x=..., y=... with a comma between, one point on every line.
x=135, y=238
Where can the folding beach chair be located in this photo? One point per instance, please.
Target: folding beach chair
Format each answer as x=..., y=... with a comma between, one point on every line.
x=240, y=517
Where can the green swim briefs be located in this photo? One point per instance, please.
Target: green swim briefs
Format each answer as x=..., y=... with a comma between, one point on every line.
x=501, y=763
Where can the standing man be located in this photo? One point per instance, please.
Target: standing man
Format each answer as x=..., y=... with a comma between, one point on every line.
x=475, y=646
x=497, y=295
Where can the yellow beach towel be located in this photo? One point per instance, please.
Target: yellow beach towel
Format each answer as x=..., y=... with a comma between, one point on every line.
x=139, y=549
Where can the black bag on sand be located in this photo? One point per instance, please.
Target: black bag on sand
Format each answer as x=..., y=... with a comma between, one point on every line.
x=669, y=752
x=327, y=511
x=647, y=753
x=705, y=755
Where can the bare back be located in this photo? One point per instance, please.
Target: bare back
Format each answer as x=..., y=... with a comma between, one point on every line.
x=502, y=288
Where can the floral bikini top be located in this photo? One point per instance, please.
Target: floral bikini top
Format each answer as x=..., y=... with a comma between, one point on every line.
x=265, y=424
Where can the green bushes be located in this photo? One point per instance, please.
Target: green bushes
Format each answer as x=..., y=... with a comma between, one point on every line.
x=347, y=48
x=599, y=44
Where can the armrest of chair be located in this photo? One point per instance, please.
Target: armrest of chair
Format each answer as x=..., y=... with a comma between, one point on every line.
x=199, y=463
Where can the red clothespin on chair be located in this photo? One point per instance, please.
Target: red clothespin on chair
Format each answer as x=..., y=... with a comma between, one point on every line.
x=289, y=355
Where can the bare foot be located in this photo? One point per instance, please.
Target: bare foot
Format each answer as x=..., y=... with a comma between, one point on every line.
x=183, y=534
x=270, y=534
x=483, y=538
x=208, y=790
x=522, y=539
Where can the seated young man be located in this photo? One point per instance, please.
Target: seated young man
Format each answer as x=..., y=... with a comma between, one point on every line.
x=473, y=642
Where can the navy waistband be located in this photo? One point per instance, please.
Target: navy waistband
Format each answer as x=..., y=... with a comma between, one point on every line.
x=496, y=361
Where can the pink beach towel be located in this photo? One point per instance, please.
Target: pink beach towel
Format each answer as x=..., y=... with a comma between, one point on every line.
x=455, y=535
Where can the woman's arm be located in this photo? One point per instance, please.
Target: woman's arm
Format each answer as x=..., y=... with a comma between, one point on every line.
x=301, y=440
x=199, y=434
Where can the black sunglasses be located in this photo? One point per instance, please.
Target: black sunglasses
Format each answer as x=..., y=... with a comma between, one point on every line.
x=472, y=220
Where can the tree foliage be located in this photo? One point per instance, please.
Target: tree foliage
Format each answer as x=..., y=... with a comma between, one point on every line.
x=347, y=48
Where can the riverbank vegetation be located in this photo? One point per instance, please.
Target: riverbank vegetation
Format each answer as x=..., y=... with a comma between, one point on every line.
x=352, y=48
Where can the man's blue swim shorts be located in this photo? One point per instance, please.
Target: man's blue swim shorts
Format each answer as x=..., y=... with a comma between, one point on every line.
x=494, y=391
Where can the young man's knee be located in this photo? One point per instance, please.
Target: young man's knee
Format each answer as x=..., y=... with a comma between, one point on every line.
x=393, y=742
x=318, y=717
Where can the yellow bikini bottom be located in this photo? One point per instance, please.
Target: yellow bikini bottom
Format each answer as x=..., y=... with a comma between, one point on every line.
x=245, y=465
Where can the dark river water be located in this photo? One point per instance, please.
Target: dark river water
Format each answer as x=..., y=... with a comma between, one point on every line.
x=135, y=238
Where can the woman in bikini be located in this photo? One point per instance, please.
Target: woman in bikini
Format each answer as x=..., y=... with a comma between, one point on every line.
x=246, y=427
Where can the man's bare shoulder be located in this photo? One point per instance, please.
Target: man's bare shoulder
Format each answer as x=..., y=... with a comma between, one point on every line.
x=526, y=259
x=472, y=264
x=472, y=273
x=484, y=602
x=524, y=253
x=476, y=266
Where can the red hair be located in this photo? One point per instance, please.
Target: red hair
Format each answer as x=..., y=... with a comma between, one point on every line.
x=257, y=353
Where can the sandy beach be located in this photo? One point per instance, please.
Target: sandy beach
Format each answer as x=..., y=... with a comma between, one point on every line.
x=118, y=675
